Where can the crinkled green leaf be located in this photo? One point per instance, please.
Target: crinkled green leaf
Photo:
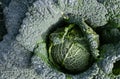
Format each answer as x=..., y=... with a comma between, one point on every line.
x=110, y=57
x=69, y=50
x=113, y=7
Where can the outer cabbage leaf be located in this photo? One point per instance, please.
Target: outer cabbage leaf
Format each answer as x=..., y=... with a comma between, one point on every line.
x=110, y=54
x=113, y=8
x=94, y=12
x=9, y=47
x=47, y=13
x=14, y=57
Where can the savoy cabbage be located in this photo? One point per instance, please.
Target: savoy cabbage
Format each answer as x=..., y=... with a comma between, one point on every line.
x=28, y=26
